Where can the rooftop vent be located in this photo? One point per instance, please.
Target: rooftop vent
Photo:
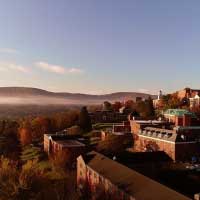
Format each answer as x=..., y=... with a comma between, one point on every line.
x=197, y=196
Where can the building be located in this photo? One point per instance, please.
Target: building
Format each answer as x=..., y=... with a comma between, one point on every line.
x=195, y=101
x=123, y=127
x=119, y=181
x=137, y=125
x=122, y=130
x=180, y=117
x=191, y=95
x=107, y=117
x=157, y=102
x=181, y=143
x=55, y=143
x=187, y=93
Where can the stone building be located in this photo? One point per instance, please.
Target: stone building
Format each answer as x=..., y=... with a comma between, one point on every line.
x=119, y=181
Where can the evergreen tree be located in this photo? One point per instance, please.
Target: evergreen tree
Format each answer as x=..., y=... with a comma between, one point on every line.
x=150, y=107
x=84, y=120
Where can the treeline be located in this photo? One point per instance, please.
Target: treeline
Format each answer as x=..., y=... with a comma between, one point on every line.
x=14, y=112
x=14, y=134
x=143, y=108
x=172, y=101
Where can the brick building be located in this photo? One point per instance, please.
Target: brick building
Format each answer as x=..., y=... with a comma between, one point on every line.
x=119, y=181
x=122, y=130
x=54, y=143
x=195, y=101
x=107, y=117
x=191, y=95
x=137, y=125
x=179, y=144
x=181, y=117
x=124, y=127
x=187, y=93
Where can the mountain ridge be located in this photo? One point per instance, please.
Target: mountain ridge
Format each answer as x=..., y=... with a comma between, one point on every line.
x=31, y=93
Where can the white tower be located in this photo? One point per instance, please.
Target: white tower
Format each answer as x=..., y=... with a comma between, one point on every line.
x=160, y=95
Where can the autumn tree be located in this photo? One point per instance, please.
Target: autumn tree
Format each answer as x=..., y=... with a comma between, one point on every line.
x=9, y=185
x=25, y=133
x=116, y=106
x=129, y=104
x=171, y=101
x=40, y=126
x=66, y=119
x=31, y=181
x=107, y=106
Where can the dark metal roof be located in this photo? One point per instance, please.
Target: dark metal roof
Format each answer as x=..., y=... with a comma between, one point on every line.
x=134, y=183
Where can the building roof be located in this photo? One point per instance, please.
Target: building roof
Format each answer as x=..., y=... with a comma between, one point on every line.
x=150, y=122
x=69, y=143
x=179, y=112
x=65, y=140
x=133, y=183
x=158, y=133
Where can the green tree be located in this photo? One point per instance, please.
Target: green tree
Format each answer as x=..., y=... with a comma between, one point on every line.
x=85, y=120
x=107, y=105
x=149, y=107
x=9, y=143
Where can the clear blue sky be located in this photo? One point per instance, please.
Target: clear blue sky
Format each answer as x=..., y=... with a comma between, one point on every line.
x=100, y=46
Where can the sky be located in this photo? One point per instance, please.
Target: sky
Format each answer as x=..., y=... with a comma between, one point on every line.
x=100, y=46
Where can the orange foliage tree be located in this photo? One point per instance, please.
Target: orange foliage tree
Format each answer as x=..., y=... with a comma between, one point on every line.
x=25, y=134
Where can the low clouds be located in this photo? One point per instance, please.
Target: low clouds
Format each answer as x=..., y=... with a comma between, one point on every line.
x=8, y=51
x=57, y=68
x=51, y=68
x=9, y=66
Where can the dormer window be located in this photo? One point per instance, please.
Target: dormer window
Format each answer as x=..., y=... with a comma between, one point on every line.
x=169, y=135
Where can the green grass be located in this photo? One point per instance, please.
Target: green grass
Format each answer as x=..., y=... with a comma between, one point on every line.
x=44, y=165
x=102, y=126
x=30, y=153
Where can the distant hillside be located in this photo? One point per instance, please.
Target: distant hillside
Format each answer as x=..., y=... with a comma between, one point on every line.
x=24, y=95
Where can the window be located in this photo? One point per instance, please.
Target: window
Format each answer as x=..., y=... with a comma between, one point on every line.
x=90, y=173
x=81, y=174
x=95, y=175
x=100, y=180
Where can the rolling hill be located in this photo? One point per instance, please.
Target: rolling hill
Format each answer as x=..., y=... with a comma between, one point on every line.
x=25, y=95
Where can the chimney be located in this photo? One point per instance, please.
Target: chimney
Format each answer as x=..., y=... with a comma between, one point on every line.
x=197, y=196
x=186, y=120
x=178, y=121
